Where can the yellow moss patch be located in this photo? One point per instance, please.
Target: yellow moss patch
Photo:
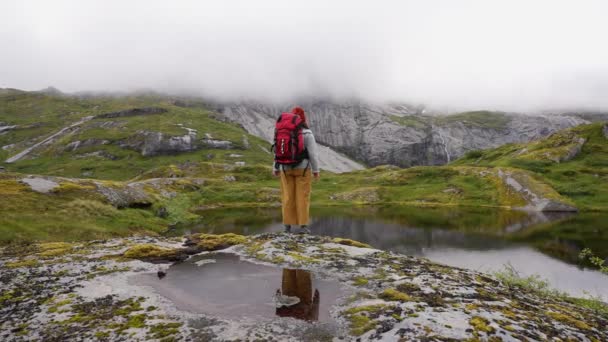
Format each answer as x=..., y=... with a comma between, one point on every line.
x=51, y=249
x=11, y=187
x=212, y=242
x=395, y=295
x=148, y=250
x=359, y=324
x=302, y=258
x=349, y=242
x=360, y=281
x=359, y=320
x=481, y=324
x=22, y=263
x=569, y=320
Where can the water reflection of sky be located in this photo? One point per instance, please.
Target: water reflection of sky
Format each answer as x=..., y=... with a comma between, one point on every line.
x=223, y=285
x=468, y=239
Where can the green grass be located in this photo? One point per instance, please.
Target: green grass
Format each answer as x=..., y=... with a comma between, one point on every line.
x=514, y=281
x=41, y=115
x=583, y=179
x=29, y=216
x=469, y=182
x=410, y=121
x=482, y=119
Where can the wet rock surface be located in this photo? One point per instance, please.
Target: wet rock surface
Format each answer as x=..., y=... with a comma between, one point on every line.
x=63, y=291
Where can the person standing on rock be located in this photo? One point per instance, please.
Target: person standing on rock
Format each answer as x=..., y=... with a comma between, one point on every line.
x=295, y=161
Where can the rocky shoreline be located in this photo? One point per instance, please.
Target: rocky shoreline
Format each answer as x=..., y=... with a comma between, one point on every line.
x=81, y=291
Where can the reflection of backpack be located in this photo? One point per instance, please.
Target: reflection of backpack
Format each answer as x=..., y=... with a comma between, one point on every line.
x=288, y=144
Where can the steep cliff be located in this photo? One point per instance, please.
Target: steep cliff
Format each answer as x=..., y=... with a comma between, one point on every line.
x=402, y=135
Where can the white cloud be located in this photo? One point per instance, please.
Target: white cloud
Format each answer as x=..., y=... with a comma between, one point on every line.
x=514, y=55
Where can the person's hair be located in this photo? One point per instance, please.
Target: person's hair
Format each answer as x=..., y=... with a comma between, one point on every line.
x=300, y=112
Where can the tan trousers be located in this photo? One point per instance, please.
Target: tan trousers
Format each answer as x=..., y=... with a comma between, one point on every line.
x=295, y=195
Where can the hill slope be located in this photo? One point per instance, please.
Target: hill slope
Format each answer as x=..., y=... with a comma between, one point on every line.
x=115, y=137
x=574, y=162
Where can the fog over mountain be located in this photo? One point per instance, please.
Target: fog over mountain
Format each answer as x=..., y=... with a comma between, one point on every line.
x=515, y=55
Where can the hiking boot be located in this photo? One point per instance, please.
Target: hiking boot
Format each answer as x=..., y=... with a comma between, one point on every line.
x=304, y=230
x=287, y=228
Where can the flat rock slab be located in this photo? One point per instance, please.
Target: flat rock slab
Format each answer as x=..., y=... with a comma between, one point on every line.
x=41, y=185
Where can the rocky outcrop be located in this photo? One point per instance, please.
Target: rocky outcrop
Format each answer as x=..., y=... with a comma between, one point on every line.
x=94, y=290
x=217, y=144
x=125, y=196
x=157, y=143
x=6, y=128
x=39, y=184
x=52, y=138
x=399, y=134
x=539, y=197
x=132, y=112
x=573, y=150
x=74, y=145
x=605, y=130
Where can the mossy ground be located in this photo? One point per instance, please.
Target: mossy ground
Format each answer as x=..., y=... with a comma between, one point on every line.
x=582, y=179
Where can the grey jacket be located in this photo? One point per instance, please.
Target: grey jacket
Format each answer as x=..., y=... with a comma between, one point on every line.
x=312, y=161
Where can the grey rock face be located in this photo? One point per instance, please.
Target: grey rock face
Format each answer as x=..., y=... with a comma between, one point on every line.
x=536, y=201
x=74, y=145
x=129, y=196
x=606, y=131
x=216, y=144
x=6, y=128
x=157, y=143
x=40, y=184
x=399, y=134
x=574, y=150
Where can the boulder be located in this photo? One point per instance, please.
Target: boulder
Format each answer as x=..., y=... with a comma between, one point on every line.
x=573, y=150
x=124, y=197
x=216, y=144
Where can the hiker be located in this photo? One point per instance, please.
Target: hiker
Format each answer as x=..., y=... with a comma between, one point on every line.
x=295, y=160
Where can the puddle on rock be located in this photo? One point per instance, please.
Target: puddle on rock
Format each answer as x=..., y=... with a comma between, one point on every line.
x=223, y=285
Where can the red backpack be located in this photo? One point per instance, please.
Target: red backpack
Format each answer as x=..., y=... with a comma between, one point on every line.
x=288, y=140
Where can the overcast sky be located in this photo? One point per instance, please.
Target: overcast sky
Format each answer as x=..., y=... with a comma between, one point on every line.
x=511, y=55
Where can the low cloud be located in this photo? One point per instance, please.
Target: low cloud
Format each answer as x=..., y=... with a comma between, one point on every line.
x=515, y=55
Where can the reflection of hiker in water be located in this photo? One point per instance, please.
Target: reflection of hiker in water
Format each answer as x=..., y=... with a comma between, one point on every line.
x=296, y=299
x=295, y=158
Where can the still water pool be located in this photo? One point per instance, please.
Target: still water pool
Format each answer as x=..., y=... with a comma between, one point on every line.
x=481, y=239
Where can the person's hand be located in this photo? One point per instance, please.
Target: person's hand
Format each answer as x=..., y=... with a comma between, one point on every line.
x=316, y=175
x=275, y=173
